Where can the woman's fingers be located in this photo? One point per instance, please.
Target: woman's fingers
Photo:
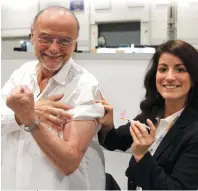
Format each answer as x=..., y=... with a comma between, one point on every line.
x=138, y=134
x=142, y=139
x=108, y=114
x=101, y=96
x=142, y=128
x=103, y=102
x=101, y=121
x=135, y=139
x=152, y=128
x=108, y=108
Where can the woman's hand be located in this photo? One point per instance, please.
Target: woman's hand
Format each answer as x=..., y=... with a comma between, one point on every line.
x=107, y=120
x=142, y=140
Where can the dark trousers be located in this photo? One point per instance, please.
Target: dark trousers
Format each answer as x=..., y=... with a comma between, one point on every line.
x=111, y=184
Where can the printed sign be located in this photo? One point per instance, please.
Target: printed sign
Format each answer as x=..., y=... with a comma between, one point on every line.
x=77, y=5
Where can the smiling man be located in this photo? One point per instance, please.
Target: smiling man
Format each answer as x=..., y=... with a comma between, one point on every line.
x=58, y=148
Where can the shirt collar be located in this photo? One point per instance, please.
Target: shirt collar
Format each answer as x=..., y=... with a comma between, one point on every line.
x=170, y=118
x=60, y=77
x=33, y=70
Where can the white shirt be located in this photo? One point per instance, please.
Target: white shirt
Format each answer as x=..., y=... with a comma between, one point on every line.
x=24, y=166
x=163, y=128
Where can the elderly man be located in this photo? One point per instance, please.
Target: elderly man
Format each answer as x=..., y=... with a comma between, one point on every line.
x=52, y=143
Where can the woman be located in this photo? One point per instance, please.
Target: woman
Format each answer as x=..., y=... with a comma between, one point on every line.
x=166, y=156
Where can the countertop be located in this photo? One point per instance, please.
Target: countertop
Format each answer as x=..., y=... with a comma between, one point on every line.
x=82, y=56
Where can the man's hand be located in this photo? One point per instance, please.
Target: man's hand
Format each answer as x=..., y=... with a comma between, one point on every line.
x=52, y=112
x=21, y=101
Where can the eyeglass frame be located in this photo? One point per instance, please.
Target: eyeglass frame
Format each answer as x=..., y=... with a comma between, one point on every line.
x=57, y=41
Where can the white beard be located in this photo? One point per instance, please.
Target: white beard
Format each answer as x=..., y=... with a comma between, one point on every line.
x=60, y=65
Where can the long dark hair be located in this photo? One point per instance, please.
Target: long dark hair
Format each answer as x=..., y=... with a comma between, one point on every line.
x=153, y=101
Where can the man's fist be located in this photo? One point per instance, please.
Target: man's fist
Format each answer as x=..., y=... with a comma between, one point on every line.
x=21, y=101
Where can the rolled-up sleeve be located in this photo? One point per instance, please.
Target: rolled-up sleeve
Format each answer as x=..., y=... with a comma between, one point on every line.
x=84, y=106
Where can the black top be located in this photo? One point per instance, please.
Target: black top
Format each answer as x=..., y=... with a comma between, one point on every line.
x=173, y=166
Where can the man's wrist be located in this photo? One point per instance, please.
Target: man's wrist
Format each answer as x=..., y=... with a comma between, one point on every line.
x=17, y=119
x=27, y=122
x=32, y=125
x=30, y=121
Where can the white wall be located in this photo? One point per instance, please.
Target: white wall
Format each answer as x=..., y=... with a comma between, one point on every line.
x=116, y=164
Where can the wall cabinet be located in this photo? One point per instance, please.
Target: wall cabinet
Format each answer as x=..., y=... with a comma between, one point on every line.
x=186, y=23
x=159, y=22
x=17, y=17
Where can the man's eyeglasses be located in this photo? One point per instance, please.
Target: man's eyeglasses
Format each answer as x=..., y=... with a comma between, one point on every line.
x=61, y=41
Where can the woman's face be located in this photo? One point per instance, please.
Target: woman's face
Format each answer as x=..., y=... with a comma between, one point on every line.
x=172, y=79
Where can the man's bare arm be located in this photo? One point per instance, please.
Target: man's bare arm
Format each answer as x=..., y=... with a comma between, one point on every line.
x=66, y=153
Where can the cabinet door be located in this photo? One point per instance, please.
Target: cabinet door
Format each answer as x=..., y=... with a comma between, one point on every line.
x=46, y=3
x=17, y=17
x=187, y=19
x=159, y=21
